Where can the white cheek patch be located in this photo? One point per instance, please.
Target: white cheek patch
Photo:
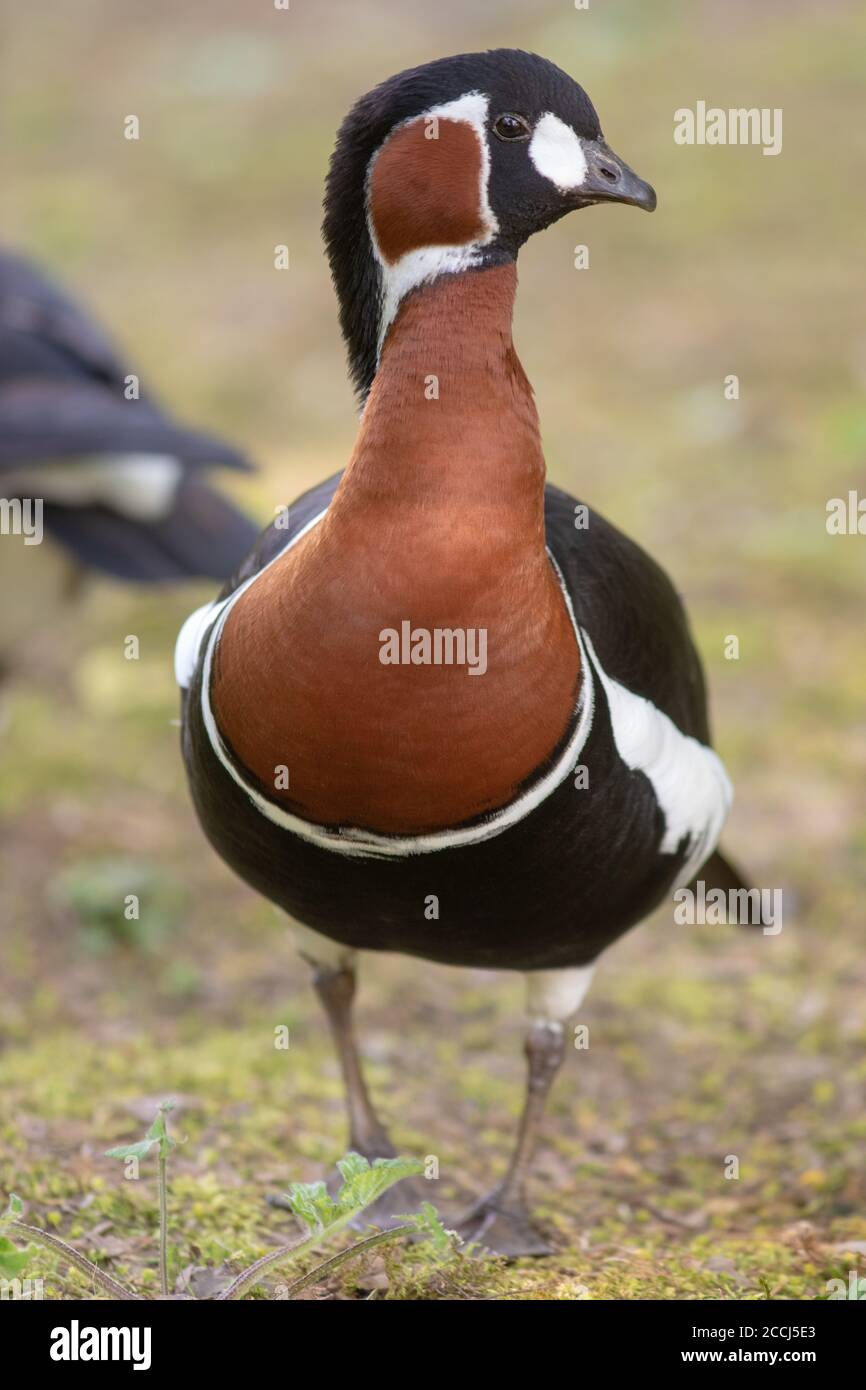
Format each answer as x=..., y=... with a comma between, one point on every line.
x=557, y=153
x=425, y=264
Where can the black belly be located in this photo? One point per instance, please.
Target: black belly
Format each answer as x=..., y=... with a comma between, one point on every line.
x=551, y=891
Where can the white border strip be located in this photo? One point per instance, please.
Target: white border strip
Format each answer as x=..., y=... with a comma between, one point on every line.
x=366, y=843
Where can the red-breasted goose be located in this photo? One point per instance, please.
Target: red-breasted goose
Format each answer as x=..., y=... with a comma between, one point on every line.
x=384, y=710
x=122, y=484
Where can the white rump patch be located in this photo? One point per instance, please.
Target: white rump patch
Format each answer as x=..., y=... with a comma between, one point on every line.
x=557, y=152
x=426, y=263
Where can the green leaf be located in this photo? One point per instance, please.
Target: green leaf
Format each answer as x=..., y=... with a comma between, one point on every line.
x=12, y=1262
x=351, y=1166
x=158, y=1129
x=157, y=1134
x=427, y=1222
x=14, y=1210
x=364, y=1183
x=311, y=1204
x=138, y=1150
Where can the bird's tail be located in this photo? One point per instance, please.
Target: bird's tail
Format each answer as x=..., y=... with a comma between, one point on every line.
x=203, y=536
x=757, y=910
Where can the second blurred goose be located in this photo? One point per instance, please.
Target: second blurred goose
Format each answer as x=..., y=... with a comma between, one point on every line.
x=123, y=485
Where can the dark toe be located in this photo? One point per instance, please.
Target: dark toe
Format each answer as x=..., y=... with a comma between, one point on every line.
x=502, y=1229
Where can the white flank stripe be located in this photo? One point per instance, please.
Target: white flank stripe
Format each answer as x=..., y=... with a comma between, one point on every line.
x=688, y=778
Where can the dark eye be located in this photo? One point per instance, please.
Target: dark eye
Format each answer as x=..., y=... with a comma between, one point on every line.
x=511, y=127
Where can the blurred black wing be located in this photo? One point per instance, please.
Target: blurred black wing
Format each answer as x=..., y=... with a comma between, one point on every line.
x=44, y=419
x=202, y=536
x=43, y=331
x=62, y=385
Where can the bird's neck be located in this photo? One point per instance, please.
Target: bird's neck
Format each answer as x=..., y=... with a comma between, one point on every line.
x=438, y=525
x=450, y=424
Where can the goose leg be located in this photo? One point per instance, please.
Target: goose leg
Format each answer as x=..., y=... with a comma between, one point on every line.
x=334, y=979
x=500, y=1221
x=367, y=1134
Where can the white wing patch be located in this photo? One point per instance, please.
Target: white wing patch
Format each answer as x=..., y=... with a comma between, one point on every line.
x=689, y=779
x=139, y=486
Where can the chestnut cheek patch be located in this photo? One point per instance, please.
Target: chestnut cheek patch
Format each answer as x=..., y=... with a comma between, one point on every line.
x=426, y=188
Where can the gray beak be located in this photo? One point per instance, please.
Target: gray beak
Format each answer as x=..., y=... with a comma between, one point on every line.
x=610, y=180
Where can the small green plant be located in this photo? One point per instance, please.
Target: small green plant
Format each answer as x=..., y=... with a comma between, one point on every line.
x=12, y=1262
x=157, y=1136
x=323, y=1215
x=103, y=895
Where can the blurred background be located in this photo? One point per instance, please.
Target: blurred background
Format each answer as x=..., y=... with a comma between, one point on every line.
x=706, y=1042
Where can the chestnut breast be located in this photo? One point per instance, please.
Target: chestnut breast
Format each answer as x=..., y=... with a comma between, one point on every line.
x=437, y=526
